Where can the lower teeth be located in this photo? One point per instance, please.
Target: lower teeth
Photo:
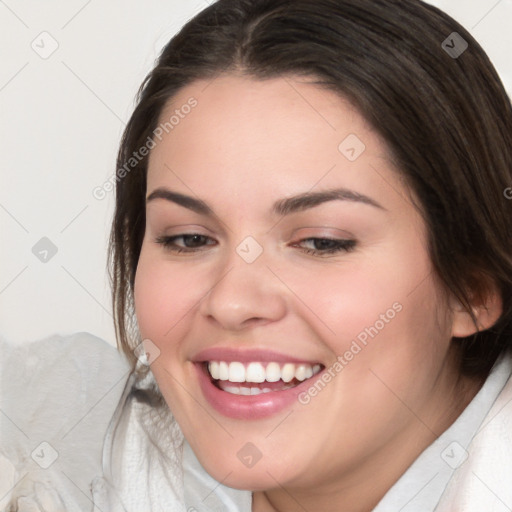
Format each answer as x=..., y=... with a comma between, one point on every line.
x=245, y=390
x=239, y=390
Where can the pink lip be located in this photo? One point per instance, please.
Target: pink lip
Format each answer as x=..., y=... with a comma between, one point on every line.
x=250, y=407
x=246, y=356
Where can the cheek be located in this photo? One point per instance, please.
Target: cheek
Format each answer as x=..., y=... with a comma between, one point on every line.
x=344, y=301
x=162, y=296
x=151, y=296
x=391, y=306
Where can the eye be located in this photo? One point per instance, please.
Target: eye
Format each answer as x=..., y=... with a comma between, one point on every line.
x=190, y=242
x=323, y=246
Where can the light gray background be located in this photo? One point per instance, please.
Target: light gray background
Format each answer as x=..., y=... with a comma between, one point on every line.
x=61, y=120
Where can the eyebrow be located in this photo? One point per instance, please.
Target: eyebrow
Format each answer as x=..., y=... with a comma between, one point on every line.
x=311, y=199
x=281, y=207
x=196, y=205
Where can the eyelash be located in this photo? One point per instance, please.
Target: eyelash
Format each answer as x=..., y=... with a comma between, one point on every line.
x=336, y=245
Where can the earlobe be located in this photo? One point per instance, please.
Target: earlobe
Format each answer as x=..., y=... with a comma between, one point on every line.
x=486, y=313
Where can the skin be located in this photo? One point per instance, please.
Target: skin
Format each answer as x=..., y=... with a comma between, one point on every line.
x=247, y=144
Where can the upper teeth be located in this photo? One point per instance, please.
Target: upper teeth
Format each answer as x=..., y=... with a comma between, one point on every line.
x=261, y=372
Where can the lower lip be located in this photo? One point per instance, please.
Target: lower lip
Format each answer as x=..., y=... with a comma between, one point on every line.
x=249, y=407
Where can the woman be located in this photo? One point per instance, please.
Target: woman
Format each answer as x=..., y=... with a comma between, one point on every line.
x=312, y=270
x=321, y=220
x=317, y=247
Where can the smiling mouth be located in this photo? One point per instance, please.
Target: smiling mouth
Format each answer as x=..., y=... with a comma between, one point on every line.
x=255, y=378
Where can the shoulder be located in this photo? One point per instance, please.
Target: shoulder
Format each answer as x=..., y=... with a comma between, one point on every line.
x=47, y=381
x=38, y=356
x=58, y=395
x=484, y=479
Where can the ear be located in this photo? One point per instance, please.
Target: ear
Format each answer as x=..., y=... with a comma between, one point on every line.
x=487, y=309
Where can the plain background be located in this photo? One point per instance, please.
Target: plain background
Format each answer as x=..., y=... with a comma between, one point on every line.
x=62, y=116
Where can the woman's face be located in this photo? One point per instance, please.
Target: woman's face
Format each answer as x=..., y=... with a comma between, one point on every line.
x=279, y=243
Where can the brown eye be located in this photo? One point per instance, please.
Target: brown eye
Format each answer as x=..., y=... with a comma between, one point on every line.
x=322, y=246
x=185, y=242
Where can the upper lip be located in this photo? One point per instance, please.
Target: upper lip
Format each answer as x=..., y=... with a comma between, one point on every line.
x=247, y=355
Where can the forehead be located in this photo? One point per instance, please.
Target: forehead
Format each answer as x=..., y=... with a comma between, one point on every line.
x=277, y=137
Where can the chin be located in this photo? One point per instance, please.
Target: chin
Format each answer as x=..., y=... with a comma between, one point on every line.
x=233, y=473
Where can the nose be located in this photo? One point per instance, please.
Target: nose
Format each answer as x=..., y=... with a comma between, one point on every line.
x=244, y=295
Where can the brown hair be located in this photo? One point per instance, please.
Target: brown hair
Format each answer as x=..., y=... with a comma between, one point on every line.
x=446, y=119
